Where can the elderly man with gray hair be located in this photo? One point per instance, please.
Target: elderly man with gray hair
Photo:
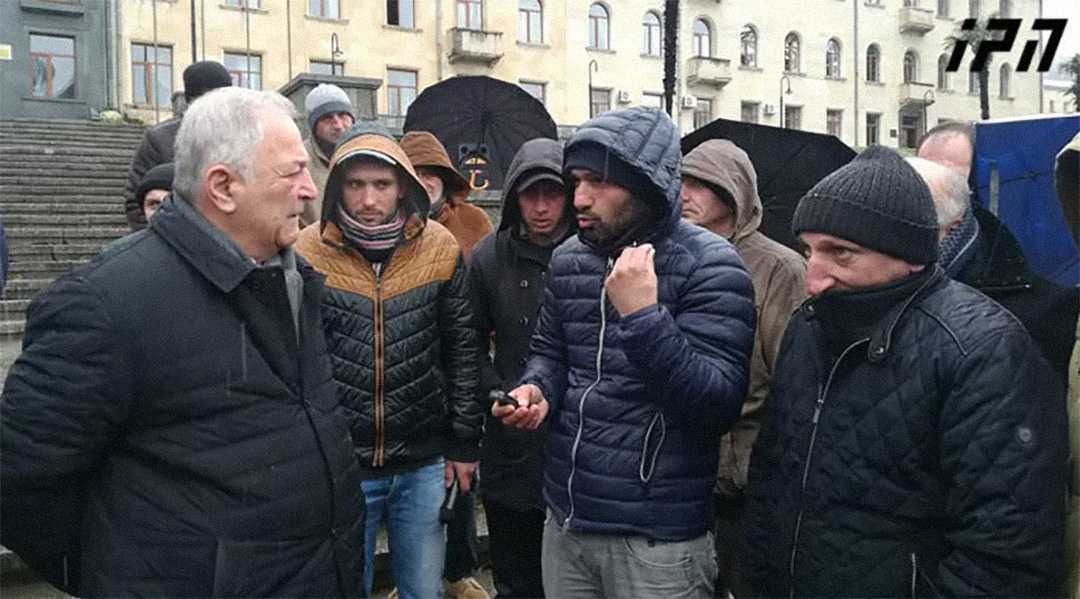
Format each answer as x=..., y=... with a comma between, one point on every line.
x=169, y=429
x=978, y=250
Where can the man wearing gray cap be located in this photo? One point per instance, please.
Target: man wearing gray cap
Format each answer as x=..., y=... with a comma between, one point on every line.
x=329, y=114
x=914, y=443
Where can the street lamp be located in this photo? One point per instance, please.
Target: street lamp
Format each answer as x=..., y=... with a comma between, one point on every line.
x=783, y=80
x=593, y=66
x=335, y=52
x=928, y=99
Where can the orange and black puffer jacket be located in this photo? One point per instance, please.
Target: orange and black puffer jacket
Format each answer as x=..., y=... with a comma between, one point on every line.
x=400, y=337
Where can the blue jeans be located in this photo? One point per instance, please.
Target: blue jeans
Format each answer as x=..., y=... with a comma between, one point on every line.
x=408, y=504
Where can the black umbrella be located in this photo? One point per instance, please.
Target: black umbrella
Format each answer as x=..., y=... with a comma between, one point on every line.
x=788, y=163
x=482, y=122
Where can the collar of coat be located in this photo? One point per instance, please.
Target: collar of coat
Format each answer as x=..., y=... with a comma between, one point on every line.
x=882, y=334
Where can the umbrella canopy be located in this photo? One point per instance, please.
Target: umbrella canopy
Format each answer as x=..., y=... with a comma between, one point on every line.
x=482, y=122
x=788, y=163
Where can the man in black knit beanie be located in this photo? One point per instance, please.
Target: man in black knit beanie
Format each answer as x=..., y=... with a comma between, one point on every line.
x=915, y=439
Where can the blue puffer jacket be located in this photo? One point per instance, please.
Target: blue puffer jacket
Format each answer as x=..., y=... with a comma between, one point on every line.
x=638, y=404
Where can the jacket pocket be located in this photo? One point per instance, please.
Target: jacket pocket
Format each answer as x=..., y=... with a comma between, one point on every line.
x=651, y=446
x=302, y=567
x=921, y=585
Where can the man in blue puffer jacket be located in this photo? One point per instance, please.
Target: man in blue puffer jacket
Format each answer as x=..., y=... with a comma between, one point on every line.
x=640, y=361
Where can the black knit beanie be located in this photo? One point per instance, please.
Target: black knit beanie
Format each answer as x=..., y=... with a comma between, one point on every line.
x=877, y=201
x=204, y=76
x=159, y=177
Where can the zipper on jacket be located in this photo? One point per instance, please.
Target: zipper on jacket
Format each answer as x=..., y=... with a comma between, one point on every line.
x=585, y=395
x=379, y=455
x=822, y=393
x=914, y=573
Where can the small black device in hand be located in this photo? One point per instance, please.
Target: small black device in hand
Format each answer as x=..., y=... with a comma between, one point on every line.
x=500, y=397
x=446, y=511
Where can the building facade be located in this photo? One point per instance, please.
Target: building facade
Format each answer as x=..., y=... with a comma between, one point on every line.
x=865, y=70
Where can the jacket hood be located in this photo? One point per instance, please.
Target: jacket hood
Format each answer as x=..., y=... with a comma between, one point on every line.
x=368, y=141
x=424, y=149
x=535, y=157
x=721, y=163
x=646, y=141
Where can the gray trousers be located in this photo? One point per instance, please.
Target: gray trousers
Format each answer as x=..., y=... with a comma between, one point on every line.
x=589, y=565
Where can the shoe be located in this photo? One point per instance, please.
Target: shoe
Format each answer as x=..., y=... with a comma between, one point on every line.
x=466, y=588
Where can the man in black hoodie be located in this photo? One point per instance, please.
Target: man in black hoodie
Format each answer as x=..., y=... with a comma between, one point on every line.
x=507, y=282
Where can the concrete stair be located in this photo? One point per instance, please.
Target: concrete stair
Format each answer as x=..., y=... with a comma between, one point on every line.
x=61, y=200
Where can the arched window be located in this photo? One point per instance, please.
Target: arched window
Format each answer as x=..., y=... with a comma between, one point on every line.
x=599, y=27
x=974, y=8
x=530, y=22
x=748, y=46
x=973, y=82
x=911, y=66
x=652, y=40
x=873, y=63
x=791, y=53
x=943, y=8
x=470, y=14
x=943, y=82
x=1003, y=81
x=832, y=59
x=702, y=38
x=1005, y=9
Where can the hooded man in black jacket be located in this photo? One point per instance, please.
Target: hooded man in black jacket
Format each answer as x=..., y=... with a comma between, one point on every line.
x=507, y=275
x=915, y=438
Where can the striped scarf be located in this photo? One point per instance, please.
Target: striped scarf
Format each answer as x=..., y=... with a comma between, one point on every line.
x=959, y=246
x=372, y=241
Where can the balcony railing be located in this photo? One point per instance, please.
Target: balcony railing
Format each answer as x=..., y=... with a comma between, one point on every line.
x=703, y=70
x=470, y=45
x=916, y=20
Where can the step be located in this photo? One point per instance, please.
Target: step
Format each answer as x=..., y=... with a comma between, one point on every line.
x=23, y=149
x=47, y=233
x=30, y=250
x=27, y=288
x=34, y=268
x=75, y=123
x=39, y=159
x=10, y=192
x=72, y=220
x=13, y=308
x=59, y=206
x=12, y=328
x=24, y=185
x=52, y=170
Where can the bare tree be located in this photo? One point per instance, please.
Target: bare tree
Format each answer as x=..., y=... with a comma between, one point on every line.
x=1072, y=67
x=974, y=37
x=671, y=45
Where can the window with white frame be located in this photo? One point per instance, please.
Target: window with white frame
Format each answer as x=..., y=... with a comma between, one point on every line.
x=400, y=90
x=944, y=82
x=791, y=53
x=1004, y=75
x=151, y=74
x=832, y=59
x=703, y=112
x=530, y=22
x=834, y=122
x=599, y=27
x=470, y=14
x=873, y=128
x=401, y=13
x=911, y=67
x=652, y=39
x=873, y=63
x=702, y=38
x=750, y=112
x=325, y=9
x=536, y=89
x=748, y=39
x=246, y=69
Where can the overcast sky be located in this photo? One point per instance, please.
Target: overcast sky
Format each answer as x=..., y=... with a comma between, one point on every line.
x=1069, y=9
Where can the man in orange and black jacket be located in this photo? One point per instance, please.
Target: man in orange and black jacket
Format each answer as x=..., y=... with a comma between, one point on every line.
x=399, y=329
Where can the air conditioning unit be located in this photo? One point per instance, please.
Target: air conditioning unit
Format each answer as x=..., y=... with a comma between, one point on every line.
x=623, y=97
x=689, y=102
x=769, y=109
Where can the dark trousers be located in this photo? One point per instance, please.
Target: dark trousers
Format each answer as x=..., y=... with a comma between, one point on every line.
x=515, y=540
x=461, y=541
x=732, y=534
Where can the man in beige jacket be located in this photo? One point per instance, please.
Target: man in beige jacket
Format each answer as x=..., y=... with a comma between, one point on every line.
x=329, y=114
x=720, y=193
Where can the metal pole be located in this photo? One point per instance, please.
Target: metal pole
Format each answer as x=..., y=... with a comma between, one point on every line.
x=855, y=81
x=154, y=68
x=592, y=67
x=335, y=51
x=783, y=78
x=193, y=40
x=288, y=33
x=928, y=99
x=247, y=41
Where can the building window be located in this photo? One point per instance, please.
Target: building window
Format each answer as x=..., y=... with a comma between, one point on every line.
x=943, y=81
x=791, y=53
x=652, y=40
x=793, y=117
x=530, y=22
x=599, y=27
x=873, y=128
x=702, y=38
x=400, y=90
x=535, y=89
x=873, y=63
x=750, y=112
x=973, y=82
x=943, y=8
x=832, y=59
x=599, y=101
x=834, y=122
x=470, y=15
x=748, y=46
x=246, y=69
x=1005, y=9
x=52, y=66
x=911, y=3
x=401, y=13
x=325, y=67
x=151, y=74
x=1003, y=81
x=974, y=8
x=703, y=112
x=326, y=9
x=911, y=67
x=251, y=4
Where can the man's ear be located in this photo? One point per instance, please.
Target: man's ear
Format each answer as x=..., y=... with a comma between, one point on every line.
x=218, y=184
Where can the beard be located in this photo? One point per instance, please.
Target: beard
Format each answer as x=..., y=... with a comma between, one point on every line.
x=620, y=229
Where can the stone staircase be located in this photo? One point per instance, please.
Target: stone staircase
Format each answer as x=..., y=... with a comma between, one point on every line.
x=61, y=200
